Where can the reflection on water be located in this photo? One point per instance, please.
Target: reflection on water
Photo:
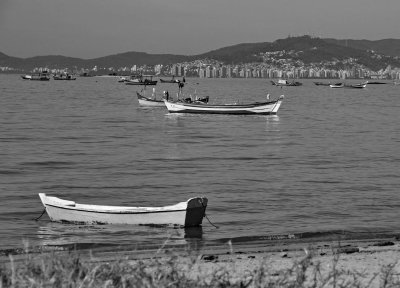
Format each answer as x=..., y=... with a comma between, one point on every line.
x=193, y=232
x=71, y=236
x=272, y=123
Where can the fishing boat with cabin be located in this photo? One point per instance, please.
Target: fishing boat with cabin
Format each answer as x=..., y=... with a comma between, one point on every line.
x=39, y=76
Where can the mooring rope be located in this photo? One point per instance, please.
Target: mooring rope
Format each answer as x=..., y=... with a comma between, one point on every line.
x=205, y=215
x=36, y=219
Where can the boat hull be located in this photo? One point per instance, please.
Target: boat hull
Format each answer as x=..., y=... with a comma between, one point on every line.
x=336, y=85
x=322, y=84
x=357, y=86
x=185, y=214
x=266, y=108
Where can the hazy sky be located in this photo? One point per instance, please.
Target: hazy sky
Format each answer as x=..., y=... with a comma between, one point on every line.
x=95, y=28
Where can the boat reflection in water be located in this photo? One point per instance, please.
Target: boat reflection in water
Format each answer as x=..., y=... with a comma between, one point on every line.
x=59, y=236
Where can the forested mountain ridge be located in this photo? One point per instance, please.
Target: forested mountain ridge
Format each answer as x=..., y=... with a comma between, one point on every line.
x=303, y=49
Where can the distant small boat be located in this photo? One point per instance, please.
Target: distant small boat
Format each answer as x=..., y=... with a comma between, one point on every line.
x=172, y=80
x=357, y=86
x=337, y=85
x=151, y=102
x=184, y=214
x=260, y=108
x=141, y=80
x=64, y=77
x=322, y=83
x=282, y=82
x=40, y=76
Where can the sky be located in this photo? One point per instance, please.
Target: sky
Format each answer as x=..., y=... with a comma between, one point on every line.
x=95, y=28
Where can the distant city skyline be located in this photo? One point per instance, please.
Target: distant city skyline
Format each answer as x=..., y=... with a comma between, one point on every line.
x=95, y=28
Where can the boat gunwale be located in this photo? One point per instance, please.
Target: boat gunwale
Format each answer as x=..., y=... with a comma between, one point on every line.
x=114, y=212
x=228, y=106
x=59, y=203
x=242, y=112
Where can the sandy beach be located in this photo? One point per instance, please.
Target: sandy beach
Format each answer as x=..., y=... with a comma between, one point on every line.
x=349, y=263
x=370, y=261
x=352, y=263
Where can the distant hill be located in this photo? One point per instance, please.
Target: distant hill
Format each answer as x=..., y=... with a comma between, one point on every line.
x=307, y=50
x=6, y=60
x=127, y=59
x=303, y=49
x=136, y=58
x=389, y=47
x=241, y=53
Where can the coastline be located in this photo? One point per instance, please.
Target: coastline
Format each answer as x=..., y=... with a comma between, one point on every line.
x=356, y=262
x=365, y=262
x=372, y=261
x=265, y=245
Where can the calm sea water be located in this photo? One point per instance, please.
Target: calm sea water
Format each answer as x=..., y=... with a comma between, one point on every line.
x=328, y=162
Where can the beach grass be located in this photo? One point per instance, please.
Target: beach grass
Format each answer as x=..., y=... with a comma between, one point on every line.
x=70, y=269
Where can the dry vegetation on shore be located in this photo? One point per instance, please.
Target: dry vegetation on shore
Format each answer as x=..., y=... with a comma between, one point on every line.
x=365, y=267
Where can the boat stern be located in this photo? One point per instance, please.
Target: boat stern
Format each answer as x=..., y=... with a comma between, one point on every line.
x=195, y=211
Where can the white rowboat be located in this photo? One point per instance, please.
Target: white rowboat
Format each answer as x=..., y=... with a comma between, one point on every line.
x=261, y=108
x=145, y=101
x=282, y=82
x=357, y=86
x=337, y=85
x=185, y=214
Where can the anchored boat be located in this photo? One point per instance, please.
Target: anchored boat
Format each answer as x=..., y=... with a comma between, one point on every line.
x=337, y=85
x=282, y=82
x=141, y=80
x=40, y=76
x=357, y=86
x=185, y=214
x=261, y=108
x=146, y=101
